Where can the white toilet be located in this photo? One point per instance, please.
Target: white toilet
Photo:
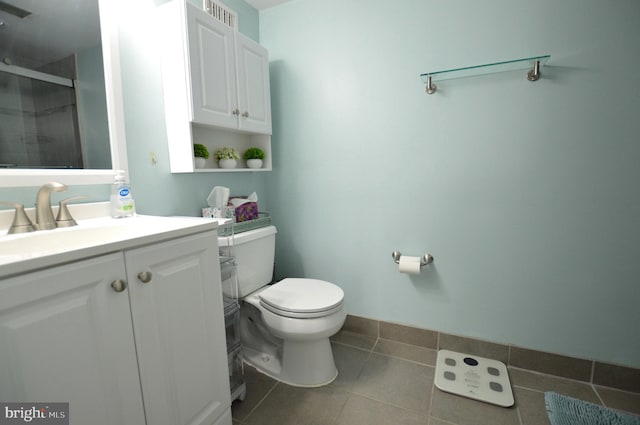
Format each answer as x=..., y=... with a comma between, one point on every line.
x=284, y=327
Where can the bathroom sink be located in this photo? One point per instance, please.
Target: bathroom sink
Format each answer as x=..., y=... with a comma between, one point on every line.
x=28, y=251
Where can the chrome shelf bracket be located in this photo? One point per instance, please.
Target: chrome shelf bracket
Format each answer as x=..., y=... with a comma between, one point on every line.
x=430, y=88
x=534, y=74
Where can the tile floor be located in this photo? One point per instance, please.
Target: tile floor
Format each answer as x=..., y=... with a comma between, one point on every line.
x=390, y=383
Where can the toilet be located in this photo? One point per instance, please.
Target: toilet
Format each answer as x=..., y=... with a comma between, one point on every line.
x=285, y=326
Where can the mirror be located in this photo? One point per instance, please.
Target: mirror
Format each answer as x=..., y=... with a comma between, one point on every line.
x=60, y=101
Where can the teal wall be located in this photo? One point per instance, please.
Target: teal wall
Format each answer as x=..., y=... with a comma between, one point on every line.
x=525, y=193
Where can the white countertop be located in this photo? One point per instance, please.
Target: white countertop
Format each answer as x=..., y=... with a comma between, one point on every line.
x=20, y=253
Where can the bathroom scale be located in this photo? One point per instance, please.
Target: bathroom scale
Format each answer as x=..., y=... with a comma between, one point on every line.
x=474, y=377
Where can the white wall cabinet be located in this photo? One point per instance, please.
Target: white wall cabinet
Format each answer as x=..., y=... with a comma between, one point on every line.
x=215, y=80
x=70, y=334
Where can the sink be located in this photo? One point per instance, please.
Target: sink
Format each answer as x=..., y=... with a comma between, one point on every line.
x=95, y=236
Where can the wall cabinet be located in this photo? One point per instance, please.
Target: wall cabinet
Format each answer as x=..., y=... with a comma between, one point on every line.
x=215, y=80
x=133, y=337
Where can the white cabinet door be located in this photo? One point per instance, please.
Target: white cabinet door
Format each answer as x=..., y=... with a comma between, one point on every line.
x=179, y=328
x=66, y=336
x=215, y=86
x=254, y=97
x=211, y=54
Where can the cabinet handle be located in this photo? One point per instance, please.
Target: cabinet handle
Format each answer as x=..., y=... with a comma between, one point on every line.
x=246, y=114
x=236, y=112
x=144, y=277
x=119, y=285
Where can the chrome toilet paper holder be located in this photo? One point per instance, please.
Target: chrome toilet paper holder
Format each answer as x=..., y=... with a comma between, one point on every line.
x=425, y=260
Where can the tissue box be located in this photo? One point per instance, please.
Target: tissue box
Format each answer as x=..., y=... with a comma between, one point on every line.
x=214, y=212
x=247, y=211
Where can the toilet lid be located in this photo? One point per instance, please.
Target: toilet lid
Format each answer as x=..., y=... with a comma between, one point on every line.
x=302, y=296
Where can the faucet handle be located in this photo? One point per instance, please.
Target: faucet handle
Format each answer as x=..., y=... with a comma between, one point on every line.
x=21, y=222
x=64, y=218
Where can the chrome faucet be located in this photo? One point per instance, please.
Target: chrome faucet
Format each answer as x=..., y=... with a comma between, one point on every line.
x=44, y=214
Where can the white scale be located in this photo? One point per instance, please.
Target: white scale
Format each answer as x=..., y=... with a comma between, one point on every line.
x=475, y=377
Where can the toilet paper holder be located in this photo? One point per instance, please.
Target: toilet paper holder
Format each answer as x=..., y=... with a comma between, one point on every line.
x=425, y=260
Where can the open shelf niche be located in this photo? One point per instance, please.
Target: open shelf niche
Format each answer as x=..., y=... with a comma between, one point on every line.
x=215, y=138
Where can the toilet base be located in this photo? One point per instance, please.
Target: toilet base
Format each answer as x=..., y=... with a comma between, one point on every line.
x=305, y=364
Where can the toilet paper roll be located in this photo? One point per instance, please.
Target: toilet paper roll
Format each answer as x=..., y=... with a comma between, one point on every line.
x=410, y=265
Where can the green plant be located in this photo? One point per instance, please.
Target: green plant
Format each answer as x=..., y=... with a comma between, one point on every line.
x=200, y=151
x=226, y=153
x=253, y=153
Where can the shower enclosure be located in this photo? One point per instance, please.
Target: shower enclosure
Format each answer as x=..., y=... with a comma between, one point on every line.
x=38, y=120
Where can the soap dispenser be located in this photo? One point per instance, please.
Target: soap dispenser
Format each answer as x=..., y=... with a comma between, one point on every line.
x=122, y=204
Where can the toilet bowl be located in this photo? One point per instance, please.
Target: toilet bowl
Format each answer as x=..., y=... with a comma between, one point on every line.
x=285, y=326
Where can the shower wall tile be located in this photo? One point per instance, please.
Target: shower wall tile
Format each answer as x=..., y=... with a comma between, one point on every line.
x=553, y=364
x=477, y=347
x=623, y=378
x=409, y=335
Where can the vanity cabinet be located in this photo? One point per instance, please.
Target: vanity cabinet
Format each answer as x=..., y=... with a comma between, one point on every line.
x=215, y=80
x=134, y=337
x=66, y=336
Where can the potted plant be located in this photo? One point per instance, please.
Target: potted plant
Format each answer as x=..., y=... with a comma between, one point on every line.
x=201, y=153
x=254, y=157
x=226, y=157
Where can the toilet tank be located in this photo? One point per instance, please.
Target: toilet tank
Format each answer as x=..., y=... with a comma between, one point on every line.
x=254, y=253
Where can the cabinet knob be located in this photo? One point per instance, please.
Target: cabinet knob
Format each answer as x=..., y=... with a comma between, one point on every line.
x=119, y=285
x=144, y=277
x=236, y=112
x=246, y=114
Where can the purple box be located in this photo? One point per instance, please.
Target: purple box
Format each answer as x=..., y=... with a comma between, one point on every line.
x=247, y=211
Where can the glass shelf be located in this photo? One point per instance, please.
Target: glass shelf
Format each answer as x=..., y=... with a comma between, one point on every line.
x=490, y=68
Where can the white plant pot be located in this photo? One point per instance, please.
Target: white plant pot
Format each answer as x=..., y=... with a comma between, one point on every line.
x=200, y=162
x=254, y=163
x=227, y=163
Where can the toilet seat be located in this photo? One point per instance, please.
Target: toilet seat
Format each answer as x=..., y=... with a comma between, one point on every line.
x=302, y=298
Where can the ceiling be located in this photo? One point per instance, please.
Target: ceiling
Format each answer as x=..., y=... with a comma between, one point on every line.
x=265, y=4
x=56, y=28
x=53, y=30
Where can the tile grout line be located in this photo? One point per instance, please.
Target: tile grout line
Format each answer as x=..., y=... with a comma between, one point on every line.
x=354, y=346
x=404, y=359
x=433, y=388
x=577, y=381
x=377, y=400
x=518, y=412
x=509, y=346
x=344, y=406
x=550, y=375
x=259, y=403
x=592, y=385
x=595, y=390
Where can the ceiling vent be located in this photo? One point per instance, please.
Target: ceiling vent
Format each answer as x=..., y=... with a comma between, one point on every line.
x=221, y=12
x=13, y=10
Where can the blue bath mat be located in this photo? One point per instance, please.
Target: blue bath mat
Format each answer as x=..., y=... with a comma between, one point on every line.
x=565, y=410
